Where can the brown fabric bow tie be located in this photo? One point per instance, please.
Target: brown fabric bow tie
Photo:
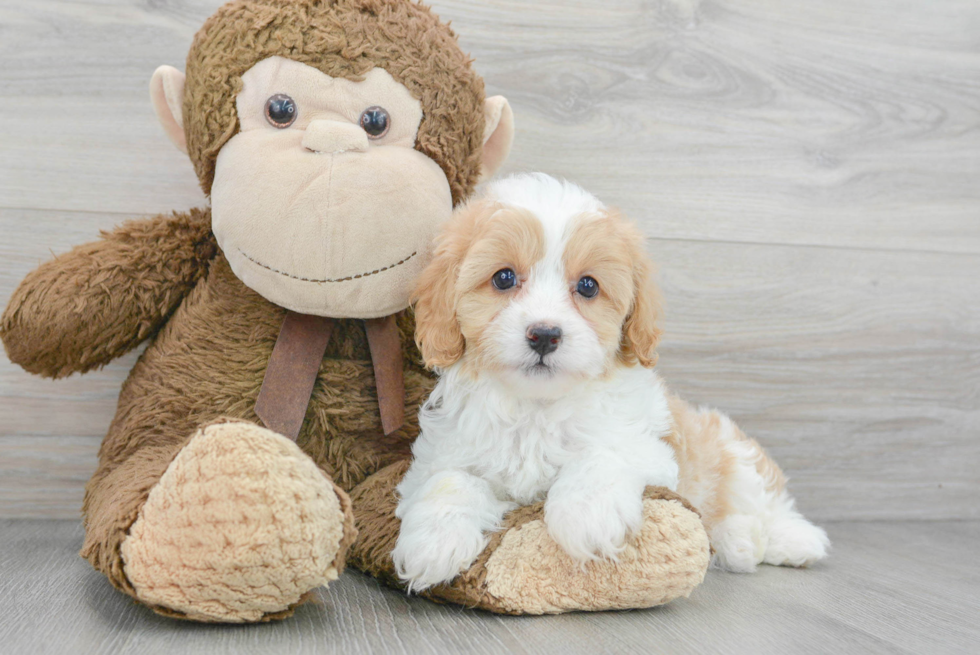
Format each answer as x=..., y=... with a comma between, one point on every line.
x=295, y=361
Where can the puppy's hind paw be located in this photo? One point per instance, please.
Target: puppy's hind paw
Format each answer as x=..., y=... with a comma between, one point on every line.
x=739, y=542
x=794, y=541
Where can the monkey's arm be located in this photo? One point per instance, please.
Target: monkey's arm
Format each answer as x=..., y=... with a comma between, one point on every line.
x=96, y=302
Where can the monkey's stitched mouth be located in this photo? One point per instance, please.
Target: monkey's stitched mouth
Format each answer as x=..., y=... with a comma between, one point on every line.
x=326, y=280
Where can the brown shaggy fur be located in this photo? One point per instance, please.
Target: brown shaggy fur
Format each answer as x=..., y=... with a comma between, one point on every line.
x=87, y=307
x=207, y=363
x=164, y=279
x=404, y=38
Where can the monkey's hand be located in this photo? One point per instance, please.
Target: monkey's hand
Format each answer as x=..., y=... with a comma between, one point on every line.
x=96, y=302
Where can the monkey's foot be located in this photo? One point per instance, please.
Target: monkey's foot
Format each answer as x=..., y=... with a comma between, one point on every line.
x=523, y=571
x=240, y=527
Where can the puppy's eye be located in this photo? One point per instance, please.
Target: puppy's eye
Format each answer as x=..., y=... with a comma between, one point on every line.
x=504, y=279
x=588, y=287
x=280, y=110
x=375, y=121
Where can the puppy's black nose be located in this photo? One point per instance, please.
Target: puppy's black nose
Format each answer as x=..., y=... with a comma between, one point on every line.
x=543, y=339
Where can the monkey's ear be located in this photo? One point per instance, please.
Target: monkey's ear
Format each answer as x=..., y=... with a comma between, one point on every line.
x=167, y=94
x=498, y=135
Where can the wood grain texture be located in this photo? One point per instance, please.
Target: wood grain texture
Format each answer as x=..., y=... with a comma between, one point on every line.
x=888, y=588
x=807, y=173
x=837, y=123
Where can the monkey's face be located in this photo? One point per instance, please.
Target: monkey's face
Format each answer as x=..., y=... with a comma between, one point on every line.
x=321, y=202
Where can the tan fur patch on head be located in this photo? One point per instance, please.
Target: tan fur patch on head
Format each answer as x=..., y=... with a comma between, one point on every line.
x=596, y=248
x=344, y=39
x=611, y=250
x=455, y=300
x=511, y=238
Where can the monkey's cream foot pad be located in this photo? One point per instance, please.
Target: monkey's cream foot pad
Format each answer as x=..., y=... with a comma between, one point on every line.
x=239, y=528
x=523, y=571
x=529, y=573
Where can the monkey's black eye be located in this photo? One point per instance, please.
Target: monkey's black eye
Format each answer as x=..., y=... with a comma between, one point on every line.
x=504, y=279
x=280, y=110
x=588, y=287
x=375, y=121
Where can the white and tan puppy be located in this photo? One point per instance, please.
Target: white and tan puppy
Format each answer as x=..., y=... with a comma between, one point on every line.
x=539, y=312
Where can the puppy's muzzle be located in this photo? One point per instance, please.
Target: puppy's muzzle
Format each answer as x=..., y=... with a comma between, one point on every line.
x=543, y=339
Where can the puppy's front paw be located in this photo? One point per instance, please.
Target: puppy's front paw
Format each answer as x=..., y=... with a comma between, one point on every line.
x=432, y=552
x=594, y=525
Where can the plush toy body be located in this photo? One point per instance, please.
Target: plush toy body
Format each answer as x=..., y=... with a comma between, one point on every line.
x=333, y=138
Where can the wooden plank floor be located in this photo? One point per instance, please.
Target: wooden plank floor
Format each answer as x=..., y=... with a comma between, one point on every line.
x=890, y=587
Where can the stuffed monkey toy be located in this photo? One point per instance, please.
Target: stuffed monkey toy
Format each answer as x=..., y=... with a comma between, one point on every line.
x=259, y=438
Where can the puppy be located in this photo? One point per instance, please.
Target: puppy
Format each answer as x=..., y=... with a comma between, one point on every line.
x=539, y=312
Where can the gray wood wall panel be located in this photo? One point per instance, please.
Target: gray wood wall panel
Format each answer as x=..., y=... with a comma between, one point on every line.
x=808, y=174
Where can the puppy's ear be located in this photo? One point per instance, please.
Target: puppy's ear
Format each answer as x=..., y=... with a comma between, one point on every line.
x=437, y=330
x=640, y=331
